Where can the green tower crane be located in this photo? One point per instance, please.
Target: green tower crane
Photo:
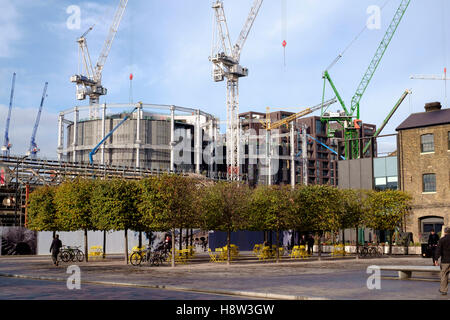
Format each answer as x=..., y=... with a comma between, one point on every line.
x=347, y=118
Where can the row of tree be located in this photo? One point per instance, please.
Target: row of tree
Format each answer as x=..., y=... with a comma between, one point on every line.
x=169, y=202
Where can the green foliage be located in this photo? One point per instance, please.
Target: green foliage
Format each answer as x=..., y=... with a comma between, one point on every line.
x=271, y=208
x=73, y=207
x=166, y=202
x=353, y=207
x=386, y=209
x=224, y=206
x=317, y=207
x=41, y=215
x=113, y=205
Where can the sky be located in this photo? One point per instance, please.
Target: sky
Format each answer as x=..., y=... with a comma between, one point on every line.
x=166, y=45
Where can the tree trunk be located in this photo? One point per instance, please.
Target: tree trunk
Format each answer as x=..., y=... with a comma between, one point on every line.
x=187, y=238
x=192, y=237
x=390, y=242
x=140, y=239
x=180, y=244
x=319, y=254
x=343, y=240
x=173, y=248
x=278, y=250
x=104, y=244
x=228, y=247
x=86, y=250
x=357, y=243
x=126, y=245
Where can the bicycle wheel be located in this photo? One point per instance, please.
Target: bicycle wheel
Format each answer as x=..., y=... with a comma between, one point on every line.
x=155, y=259
x=79, y=255
x=136, y=259
x=65, y=256
x=379, y=252
x=372, y=251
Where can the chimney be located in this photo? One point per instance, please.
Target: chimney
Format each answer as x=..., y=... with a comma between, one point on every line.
x=433, y=106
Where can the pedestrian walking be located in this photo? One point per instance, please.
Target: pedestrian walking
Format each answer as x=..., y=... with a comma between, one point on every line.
x=54, y=249
x=443, y=252
x=433, y=240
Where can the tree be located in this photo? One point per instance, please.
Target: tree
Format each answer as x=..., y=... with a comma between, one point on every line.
x=166, y=203
x=271, y=208
x=41, y=210
x=73, y=207
x=224, y=207
x=386, y=210
x=113, y=204
x=352, y=211
x=316, y=208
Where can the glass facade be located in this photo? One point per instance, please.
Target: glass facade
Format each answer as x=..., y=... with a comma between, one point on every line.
x=385, y=173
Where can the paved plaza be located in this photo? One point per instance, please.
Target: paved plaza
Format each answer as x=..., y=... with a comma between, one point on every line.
x=34, y=277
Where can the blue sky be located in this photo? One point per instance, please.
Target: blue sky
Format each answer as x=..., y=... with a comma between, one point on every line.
x=166, y=44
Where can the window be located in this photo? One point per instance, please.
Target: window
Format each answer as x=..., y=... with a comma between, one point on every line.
x=427, y=143
x=429, y=182
x=448, y=148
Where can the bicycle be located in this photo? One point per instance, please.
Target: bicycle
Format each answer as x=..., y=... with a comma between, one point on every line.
x=368, y=250
x=159, y=257
x=140, y=256
x=68, y=253
x=375, y=251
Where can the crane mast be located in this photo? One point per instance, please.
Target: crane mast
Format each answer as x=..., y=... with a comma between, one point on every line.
x=346, y=118
x=6, y=145
x=89, y=80
x=226, y=64
x=33, y=149
x=269, y=126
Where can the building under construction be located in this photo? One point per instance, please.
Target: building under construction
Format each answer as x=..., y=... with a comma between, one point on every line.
x=290, y=165
x=151, y=137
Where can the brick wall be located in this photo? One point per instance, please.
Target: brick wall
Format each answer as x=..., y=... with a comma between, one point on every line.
x=413, y=164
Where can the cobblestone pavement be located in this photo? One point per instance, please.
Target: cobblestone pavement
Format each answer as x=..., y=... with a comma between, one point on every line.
x=25, y=289
x=328, y=278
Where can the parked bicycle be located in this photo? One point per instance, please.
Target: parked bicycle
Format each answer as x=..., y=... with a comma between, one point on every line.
x=68, y=253
x=154, y=258
x=140, y=256
x=369, y=251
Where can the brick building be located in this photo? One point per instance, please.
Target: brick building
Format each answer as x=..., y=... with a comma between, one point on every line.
x=424, y=168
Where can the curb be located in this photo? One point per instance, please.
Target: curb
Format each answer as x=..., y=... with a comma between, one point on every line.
x=261, y=295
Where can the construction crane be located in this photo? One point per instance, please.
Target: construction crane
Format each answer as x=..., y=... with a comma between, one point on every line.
x=95, y=149
x=442, y=77
x=33, y=149
x=269, y=126
x=377, y=133
x=347, y=118
x=6, y=144
x=89, y=79
x=226, y=59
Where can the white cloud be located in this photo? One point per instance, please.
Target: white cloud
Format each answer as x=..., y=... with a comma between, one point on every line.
x=21, y=127
x=9, y=30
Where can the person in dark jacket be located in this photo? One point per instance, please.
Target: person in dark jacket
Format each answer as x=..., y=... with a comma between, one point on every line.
x=433, y=240
x=443, y=252
x=54, y=249
x=310, y=242
x=303, y=240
